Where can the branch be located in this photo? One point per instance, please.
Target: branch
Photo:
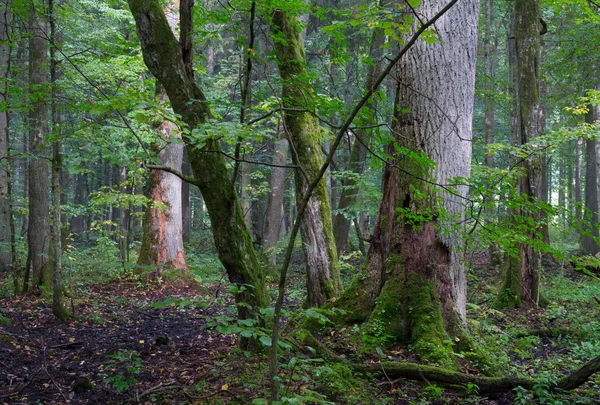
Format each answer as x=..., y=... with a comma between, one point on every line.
x=186, y=178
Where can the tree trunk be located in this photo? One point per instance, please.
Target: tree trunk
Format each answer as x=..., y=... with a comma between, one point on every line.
x=423, y=298
x=6, y=233
x=274, y=220
x=577, y=185
x=358, y=153
x=58, y=308
x=78, y=222
x=186, y=207
x=323, y=277
x=521, y=285
x=39, y=218
x=162, y=54
x=589, y=244
x=123, y=217
x=162, y=240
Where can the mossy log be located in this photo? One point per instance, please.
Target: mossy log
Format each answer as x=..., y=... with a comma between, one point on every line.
x=421, y=372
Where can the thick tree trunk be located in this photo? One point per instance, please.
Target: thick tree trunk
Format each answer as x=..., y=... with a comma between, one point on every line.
x=186, y=206
x=589, y=244
x=323, y=277
x=274, y=220
x=6, y=231
x=162, y=240
x=162, y=55
x=358, y=153
x=423, y=299
x=39, y=218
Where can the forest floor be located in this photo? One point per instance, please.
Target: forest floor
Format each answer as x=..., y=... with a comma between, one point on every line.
x=134, y=343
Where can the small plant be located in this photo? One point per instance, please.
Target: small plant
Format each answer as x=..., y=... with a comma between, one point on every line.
x=128, y=364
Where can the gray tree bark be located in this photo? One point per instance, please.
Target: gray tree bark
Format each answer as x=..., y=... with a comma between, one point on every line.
x=39, y=218
x=418, y=269
x=589, y=244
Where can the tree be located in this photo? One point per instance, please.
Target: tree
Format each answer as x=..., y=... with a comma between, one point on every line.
x=297, y=98
x=163, y=56
x=6, y=226
x=413, y=285
x=589, y=240
x=521, y=284
x=39, y=219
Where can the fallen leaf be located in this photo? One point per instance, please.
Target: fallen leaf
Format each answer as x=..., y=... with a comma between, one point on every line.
x=224, y=387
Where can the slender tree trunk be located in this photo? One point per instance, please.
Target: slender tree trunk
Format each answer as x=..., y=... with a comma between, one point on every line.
x=58, y=308
x=358, y=152
x=418, y=269
x=274, y=221
x=589, y=242
x=521, y=284
x=123, y=217
x=81, y=196
x=6, y=231
x=186, y=207
x=577, y=180
x=163, y=56
x=323, y=277
x=39, y=219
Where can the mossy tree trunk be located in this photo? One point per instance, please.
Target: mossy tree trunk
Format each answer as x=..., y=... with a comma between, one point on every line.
x=305, y=135
x=523, y=288
x=418, y=267
x=163, y=56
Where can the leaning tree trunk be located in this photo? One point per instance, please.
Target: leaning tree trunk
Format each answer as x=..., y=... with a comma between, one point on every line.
x=39, y=218
x=163, y=56
x=423, y=298
x=589, y=240
x=323, y=277
x=6, y=257
x=521, y=284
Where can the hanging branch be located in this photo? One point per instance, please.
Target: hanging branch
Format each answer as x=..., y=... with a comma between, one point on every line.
x=273, y=359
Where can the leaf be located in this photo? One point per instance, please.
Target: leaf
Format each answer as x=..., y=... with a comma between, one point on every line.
x=265, y=340
x=225, y=387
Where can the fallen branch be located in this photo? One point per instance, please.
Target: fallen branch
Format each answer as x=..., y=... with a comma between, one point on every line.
x=420, y=372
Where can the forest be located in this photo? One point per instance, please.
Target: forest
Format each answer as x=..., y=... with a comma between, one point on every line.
x=299, y=202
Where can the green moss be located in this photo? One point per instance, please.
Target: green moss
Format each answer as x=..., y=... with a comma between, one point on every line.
x=510, y=293
x=387, y=318
x=428, y=334
x=340, y=385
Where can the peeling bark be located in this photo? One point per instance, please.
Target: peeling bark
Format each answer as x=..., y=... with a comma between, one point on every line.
x=162, y=55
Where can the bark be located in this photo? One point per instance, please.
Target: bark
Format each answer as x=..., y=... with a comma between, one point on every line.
x=305, y=135
x=162, y=55
x=39, y=218
x=546, y=196
x=358, y=153
x=6, y=233
x=274, y=220
x=162, y=240
x=589, y=244
x=423, y=297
